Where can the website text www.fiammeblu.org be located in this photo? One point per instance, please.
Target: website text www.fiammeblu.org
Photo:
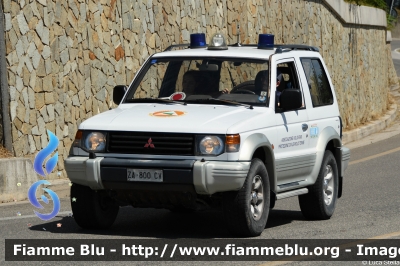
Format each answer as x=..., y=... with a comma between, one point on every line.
x=189, y=249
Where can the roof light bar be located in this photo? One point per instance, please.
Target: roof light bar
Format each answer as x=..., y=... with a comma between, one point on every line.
x=198, y=40
x=218, y=42
x=265, y=41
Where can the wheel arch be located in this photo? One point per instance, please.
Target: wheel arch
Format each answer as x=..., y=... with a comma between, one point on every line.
x=258, y=146
x=330, y=140
x=334, y=145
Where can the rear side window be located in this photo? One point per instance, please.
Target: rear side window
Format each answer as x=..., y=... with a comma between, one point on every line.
x=320, y=89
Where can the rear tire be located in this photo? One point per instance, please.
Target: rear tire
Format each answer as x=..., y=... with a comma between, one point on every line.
x=246, y=211
x=320, y=202
x=92, y=209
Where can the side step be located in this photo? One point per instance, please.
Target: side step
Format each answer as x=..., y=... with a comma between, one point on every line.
x=292, y=193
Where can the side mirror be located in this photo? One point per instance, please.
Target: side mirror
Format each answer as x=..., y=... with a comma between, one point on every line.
x=290, y=99
x=118, y=93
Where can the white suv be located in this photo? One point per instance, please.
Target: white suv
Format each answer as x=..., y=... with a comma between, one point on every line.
x=230, y=127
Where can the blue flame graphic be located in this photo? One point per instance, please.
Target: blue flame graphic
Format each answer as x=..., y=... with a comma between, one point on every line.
x=42, y=155
x=38, y=166
x=35, y=202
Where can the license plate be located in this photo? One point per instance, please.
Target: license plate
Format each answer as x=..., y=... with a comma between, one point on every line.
x=145, y=175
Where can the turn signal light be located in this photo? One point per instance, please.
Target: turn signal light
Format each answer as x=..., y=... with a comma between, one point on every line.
x=232, y=143
x=79, y=134
x=78, y=137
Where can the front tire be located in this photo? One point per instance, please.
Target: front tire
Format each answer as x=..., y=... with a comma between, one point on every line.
x=246, y=211
x=320, y=202
x=92, y=209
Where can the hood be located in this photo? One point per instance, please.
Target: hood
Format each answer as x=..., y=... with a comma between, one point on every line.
x=191, y=118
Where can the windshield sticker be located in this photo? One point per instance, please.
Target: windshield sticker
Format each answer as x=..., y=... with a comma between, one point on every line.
x=262, y=99
x=153, y=61
x=263, y=93
x=314, y=131
x=167, y=113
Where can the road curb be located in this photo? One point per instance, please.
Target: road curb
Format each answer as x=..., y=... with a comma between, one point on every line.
x=372, y=127
x=60, y=186
x=16, y=176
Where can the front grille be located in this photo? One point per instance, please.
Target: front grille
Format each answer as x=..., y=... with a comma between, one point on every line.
x=160, y=144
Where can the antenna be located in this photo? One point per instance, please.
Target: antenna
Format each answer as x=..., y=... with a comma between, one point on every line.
x=238, y=34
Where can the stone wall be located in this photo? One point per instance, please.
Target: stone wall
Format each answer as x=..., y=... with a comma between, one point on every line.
x=65, y=56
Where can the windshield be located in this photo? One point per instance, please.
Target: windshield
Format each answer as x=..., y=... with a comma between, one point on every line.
x=194, y=79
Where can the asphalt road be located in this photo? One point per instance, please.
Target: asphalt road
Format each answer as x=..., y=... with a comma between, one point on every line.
x=370, y=207
x=395, y=44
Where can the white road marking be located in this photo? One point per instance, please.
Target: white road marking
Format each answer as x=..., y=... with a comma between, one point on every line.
x=29, y=216
x=375, y=156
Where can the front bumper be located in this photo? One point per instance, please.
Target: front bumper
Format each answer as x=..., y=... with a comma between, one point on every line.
x=206, y=177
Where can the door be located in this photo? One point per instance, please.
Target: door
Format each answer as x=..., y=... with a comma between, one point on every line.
x=293, y=156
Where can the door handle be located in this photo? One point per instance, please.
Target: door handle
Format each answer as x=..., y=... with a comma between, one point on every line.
x=304, y=127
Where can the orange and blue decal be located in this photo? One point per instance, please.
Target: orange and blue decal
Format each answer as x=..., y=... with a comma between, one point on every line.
x=167, y=113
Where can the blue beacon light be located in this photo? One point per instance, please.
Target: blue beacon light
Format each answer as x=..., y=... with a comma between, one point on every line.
x=198, y=40
x=265, y=41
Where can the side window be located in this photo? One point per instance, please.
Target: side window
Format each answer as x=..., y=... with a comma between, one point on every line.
x=289, y=74
x=320, y=90
x=289, y=79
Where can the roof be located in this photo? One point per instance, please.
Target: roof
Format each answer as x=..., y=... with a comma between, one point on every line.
x=241, y=52
x=233, y=51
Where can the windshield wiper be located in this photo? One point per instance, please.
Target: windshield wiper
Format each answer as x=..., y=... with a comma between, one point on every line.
x=221, y=101
x=154, y=100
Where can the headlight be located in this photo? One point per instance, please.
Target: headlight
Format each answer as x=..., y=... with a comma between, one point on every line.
x=211, y=145
x=95, y=141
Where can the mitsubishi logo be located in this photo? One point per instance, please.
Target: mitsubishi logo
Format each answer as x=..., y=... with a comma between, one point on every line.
x=149, y=144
